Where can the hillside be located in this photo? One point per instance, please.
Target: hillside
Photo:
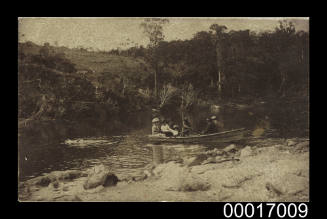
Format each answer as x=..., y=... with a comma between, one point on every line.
x=96, y=64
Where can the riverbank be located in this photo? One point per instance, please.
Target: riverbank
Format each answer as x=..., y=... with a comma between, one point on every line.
x=264, y=170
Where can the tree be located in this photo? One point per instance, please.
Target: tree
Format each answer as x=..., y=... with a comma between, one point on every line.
x=153, y=29
x=166, y=93
x=285, y=52
x=45, y=50
x=217, y=40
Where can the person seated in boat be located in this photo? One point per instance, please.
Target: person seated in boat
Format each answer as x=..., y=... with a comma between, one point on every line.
x=218, y=124
x=186, y=127
x=176, y=128
x=165, y=129
x=155, y=126
x=211, y=126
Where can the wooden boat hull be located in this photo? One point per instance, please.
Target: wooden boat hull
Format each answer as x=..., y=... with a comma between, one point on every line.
x=221, y=137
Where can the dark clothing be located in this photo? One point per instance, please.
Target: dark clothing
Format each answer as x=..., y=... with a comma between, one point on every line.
x=186, y=124
x=168, y=134
x=186, y=132
x=187, y=127
x=211, y=128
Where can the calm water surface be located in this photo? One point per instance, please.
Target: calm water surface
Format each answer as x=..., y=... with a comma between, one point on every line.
x=125, y=156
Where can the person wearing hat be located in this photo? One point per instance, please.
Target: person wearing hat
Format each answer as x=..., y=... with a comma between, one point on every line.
x=155, y=126
x=211, y=126
x=218, y=124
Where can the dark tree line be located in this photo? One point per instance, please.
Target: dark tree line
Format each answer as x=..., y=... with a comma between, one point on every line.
x=233, y=64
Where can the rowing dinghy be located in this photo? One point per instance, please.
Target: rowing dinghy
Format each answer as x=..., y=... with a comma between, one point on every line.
x=220, y=137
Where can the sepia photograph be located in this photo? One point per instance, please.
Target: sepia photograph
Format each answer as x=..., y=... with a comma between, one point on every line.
x=163, y=109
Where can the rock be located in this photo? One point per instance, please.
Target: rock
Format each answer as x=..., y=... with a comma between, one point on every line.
x=148, y=173
x=150, y=167
x=290, y=142
x=218, y=158
x=288, y=184
x=193, y=183
x=197, y=160
x=165, y=167
x=220, y=153
x=70, y=175
x=301, y=147
x=54, y=176
x=100, y=176
x=214, y=152
x=245, y=152
x=42, y=181
x=273, y=190
x=188, y=161
x=175, y=177
x=209, y=160
x=110, y=180
x=95, y=190
x=54, y=184
x=230, y=148
x=68, y=198
x=141, y=177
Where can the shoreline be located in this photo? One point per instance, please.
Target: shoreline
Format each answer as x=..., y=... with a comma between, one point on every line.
x=268, y=170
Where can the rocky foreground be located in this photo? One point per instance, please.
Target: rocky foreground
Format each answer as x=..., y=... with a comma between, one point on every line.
x=268, y=170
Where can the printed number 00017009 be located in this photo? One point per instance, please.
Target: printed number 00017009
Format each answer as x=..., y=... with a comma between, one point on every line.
x=282, y=210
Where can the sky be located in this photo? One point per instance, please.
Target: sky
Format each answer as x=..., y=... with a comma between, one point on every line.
x=111, y=33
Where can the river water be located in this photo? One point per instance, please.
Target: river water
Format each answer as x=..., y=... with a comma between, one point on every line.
x=50, y=146
x=124, y=155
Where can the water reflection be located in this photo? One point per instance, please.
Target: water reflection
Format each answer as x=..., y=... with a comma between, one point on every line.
x=123, y=156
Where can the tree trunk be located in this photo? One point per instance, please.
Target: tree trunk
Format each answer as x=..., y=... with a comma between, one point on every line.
x=282, y=84
x=155, y=84
x=219, y=84
x=182, y=111
x=219, y=61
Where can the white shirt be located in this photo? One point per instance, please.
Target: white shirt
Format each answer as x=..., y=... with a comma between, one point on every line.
x=166, y=128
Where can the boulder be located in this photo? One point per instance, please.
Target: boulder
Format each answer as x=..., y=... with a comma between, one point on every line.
x=196, y=160
x=273, y=190
x=245, y=152
x=166, y=168
x=230, y=148
x=191, y=182
x=290, y=142
x=54, y=184
x=43, y=181
x=54, y=176
x=301, y=147
x=148, y=173
x=100, y=176
x=70, y=175
x=287, y=184
x=209, y=160
x=141, y=177
x=220, y=153
x=110, y=180
x=174, y=177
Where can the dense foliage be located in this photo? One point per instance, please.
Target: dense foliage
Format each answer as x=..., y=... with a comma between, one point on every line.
x=220, y=66
x=251, y=64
